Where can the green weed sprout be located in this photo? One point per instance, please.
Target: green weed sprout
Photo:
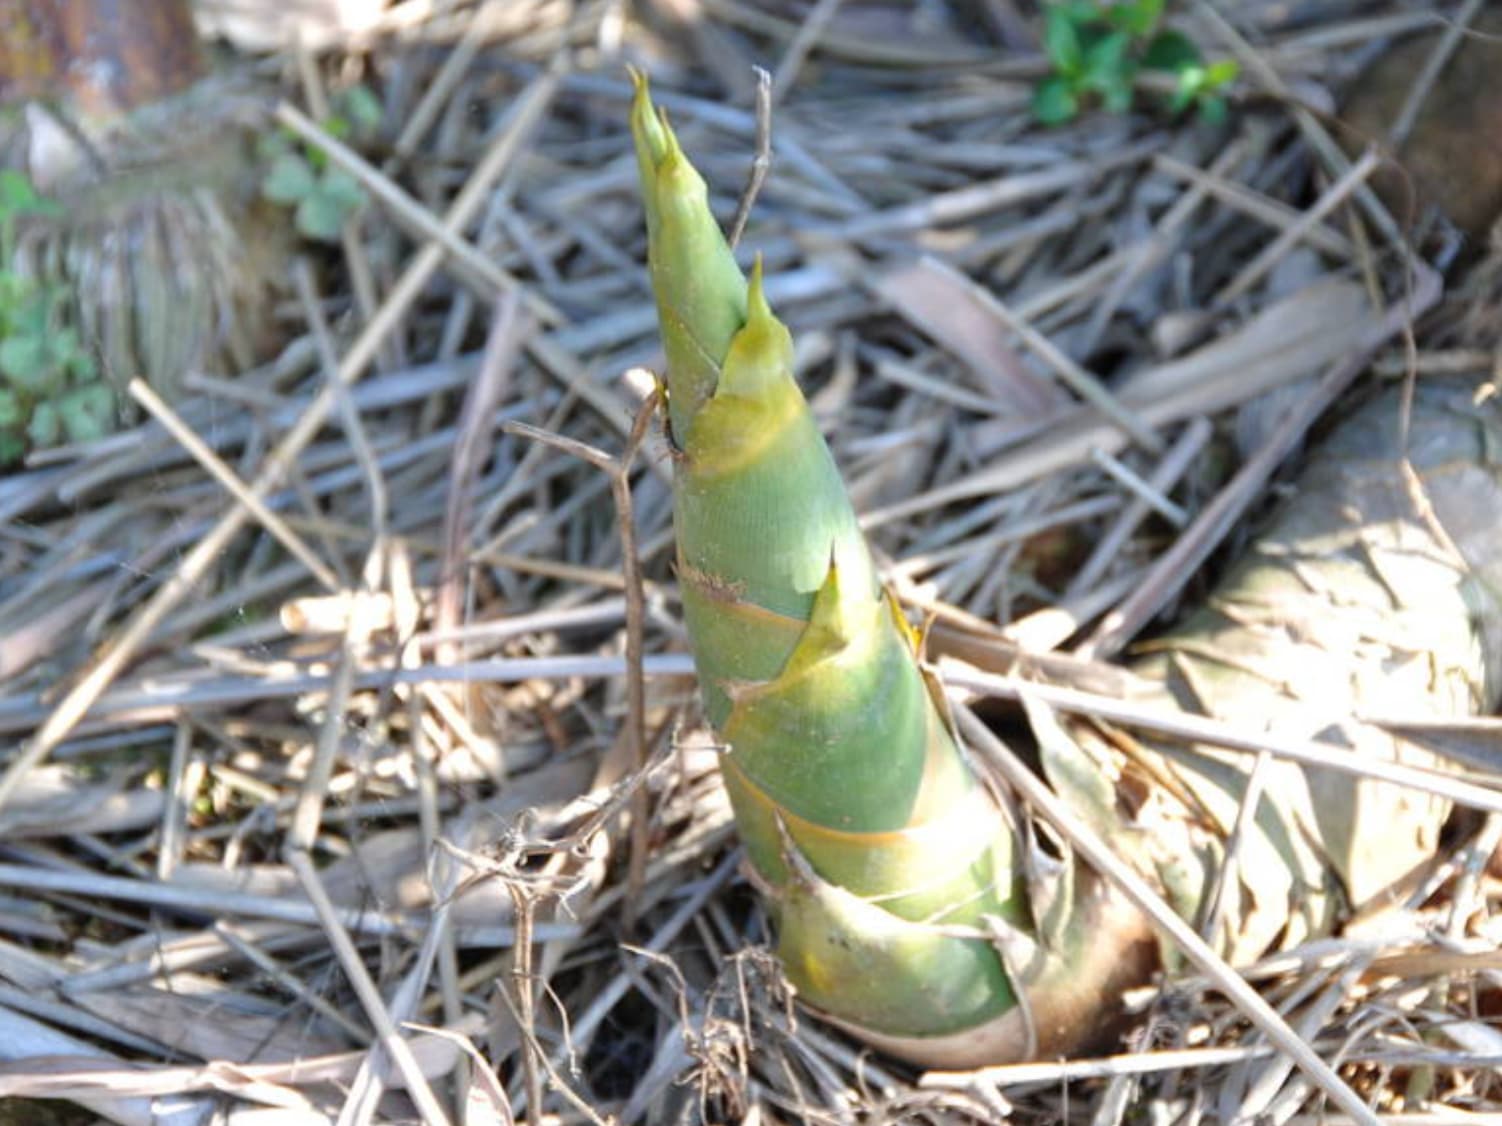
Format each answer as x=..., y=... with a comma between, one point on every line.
x=1096, y=51
x=323, y=196
x=50, y=390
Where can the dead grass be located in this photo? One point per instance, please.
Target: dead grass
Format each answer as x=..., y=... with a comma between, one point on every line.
x=330, y=792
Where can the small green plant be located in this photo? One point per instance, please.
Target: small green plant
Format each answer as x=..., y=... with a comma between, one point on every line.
x=302, y=177
x=1097, y=50
x=50, y=390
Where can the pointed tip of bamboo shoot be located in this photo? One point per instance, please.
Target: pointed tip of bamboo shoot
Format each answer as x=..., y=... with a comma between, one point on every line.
x=844, y=621
x=701, y=293
x=759, y=364
x=669, y=180
x=646, y=124
x=832, y=610
x=763, y=324
x=756, y=296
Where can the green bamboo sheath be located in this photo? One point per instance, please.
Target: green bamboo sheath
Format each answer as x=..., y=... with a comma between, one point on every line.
x=881, y=853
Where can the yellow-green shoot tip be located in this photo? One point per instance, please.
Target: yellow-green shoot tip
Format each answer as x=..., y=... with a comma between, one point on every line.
x=648, y=127
x=756, y=296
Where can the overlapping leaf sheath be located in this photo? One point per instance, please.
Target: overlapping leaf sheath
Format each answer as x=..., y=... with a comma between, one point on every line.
x=882, y=854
